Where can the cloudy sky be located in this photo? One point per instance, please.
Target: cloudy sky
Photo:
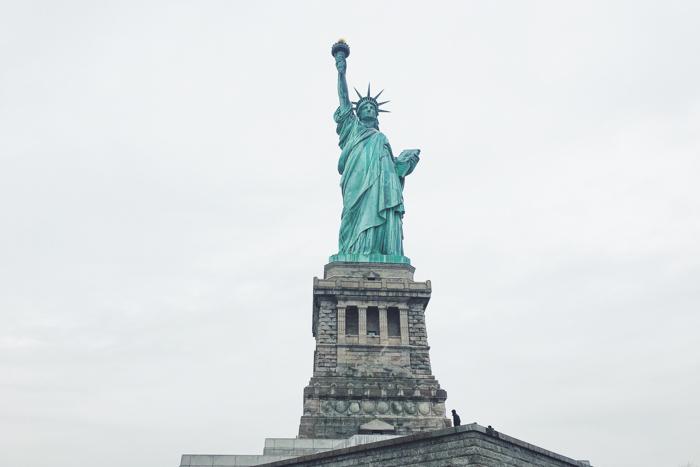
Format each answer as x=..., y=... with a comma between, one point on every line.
x=168, y=191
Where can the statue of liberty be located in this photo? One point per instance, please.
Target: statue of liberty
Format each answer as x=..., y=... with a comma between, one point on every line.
x=372, y=179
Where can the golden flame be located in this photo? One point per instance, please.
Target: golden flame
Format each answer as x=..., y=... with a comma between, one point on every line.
x=342, y=41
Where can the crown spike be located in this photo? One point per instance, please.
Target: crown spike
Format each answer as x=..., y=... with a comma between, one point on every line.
x=387, y=111
x=369, y=98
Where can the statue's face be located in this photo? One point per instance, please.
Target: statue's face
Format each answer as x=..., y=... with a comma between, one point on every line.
x=367, y=111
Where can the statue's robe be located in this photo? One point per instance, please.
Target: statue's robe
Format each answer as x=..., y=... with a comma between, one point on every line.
x=372, y=189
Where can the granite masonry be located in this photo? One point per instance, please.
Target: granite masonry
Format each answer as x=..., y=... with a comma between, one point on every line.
x=371, y=361
x=372, y=399
x=471, y=445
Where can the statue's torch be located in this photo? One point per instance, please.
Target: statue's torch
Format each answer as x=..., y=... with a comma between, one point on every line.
x=341, y=47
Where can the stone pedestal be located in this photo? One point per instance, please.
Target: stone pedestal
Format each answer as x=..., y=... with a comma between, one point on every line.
x=371, y=361
x=372, y=399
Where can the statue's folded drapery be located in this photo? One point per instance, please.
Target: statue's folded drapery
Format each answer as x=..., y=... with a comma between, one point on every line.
x=372, y=189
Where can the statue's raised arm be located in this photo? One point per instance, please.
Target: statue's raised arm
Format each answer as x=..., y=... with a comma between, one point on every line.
x=372, y=179
x=343, y=94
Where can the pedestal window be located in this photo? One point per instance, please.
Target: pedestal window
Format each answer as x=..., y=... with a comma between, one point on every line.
x=351, y=321
x=372, y=321
x=393, y=322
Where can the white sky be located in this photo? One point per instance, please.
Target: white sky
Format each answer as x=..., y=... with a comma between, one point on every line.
x=168, y=191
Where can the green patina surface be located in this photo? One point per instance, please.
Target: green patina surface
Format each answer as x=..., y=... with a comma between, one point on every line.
x=376, y=258
x=372, y=180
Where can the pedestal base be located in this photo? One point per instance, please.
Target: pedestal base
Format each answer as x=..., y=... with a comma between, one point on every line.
x=371, y=362
x=369, y=259
x=463, y=445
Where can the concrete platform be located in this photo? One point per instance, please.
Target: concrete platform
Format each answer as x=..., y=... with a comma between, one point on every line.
x=463, y=445
x=277, y=449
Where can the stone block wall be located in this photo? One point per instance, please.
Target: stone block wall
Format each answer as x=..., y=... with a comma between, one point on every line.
x=471, y=445
x=417, y=333
x=361, y=375
x=326, y=355
x=364, y=360
x=420, y=362
x=327, y=323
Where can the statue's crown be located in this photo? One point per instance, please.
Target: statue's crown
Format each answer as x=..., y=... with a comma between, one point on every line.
x=369, y=98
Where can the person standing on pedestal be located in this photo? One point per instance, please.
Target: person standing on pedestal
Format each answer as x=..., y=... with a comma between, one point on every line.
x=455, y=418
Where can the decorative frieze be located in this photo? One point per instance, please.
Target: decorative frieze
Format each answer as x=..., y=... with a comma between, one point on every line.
x=405, y=408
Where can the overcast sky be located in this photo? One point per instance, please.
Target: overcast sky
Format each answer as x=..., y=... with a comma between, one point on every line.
x=169, y=189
